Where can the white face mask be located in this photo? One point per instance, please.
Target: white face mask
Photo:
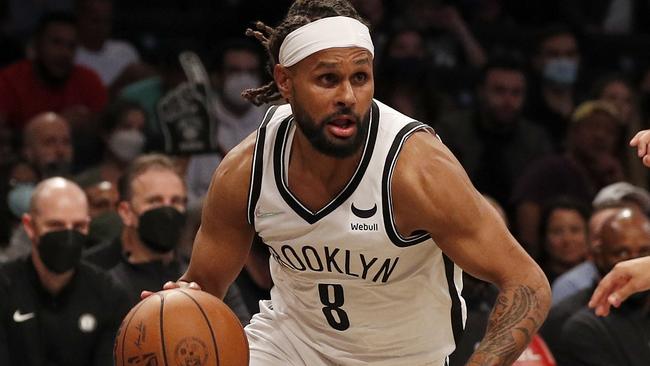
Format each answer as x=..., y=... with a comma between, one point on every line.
x=235, y=84
x=126, y=145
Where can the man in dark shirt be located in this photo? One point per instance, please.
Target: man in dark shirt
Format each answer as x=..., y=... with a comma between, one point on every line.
x=622, y=338
x=54, y=309
x=153, y=202
x=494, y=143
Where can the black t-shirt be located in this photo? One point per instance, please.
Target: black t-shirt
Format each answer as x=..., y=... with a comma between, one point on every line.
x=74, y=328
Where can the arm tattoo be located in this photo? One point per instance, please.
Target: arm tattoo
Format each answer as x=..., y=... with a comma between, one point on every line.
x=515, y=318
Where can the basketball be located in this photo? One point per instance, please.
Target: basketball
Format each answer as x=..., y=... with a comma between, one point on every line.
x=181, y=327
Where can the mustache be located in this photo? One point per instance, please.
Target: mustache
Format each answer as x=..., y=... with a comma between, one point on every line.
x=345, y=111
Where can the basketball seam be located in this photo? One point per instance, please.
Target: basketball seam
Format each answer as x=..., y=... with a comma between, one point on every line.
x=126, y=328
x=162, y=334
x=207, y=321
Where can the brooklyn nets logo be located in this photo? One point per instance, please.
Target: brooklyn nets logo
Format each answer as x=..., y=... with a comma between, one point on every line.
x=191, y=351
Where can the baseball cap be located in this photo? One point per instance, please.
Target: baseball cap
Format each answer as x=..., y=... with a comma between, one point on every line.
x=617, y=192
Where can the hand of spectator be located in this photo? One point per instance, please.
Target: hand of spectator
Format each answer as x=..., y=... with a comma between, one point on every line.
x=627, y=277
x=642, y=142
x=172, y=285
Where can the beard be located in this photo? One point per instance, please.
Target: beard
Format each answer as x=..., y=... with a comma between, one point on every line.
x=331, y=146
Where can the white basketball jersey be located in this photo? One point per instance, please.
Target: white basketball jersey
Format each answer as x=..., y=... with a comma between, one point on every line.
x=346, y=283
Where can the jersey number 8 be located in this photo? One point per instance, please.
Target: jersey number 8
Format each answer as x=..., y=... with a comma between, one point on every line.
x=333, y=306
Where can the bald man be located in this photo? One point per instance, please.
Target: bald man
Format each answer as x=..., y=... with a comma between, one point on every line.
x=622, y=337
x=47, y=145
x=55, y=309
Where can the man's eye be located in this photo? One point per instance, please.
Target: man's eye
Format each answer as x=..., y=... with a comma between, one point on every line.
x=360, y=77
x=328, y=78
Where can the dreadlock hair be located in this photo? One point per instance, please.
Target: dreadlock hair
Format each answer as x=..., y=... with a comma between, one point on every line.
x=300, y=13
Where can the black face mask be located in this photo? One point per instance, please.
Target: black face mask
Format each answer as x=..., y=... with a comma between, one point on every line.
x=60, y=251
x=160, y=228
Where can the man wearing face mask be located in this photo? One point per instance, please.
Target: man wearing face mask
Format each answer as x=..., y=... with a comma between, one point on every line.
x=47, y=152
x=153, y=201
x=552, y=95
x=122, y=131
x=236, y=67
x=54, y=308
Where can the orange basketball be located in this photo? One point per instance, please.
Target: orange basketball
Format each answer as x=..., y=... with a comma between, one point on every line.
x=181, y=327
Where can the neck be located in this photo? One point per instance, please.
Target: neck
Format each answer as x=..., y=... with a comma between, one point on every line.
x=333, y=172
x=140, y=253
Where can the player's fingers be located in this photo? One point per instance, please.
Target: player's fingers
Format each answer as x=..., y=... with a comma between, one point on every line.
x=144, y=294
x=194, y=285
x=646, y=161
x=171, y=285
x=621, y=294
x=605, y=288
x=635, y=140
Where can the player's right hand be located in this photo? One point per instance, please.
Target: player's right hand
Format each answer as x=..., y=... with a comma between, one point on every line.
x=169, y=285
x=642, y=142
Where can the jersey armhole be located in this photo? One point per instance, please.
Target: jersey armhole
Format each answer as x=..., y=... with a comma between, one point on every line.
x=257, y=165
x=386, y=183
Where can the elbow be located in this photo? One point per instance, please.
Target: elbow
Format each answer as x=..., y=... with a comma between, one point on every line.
x=539, y=282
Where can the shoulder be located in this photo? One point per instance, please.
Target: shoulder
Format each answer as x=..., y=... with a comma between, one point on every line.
x=16, y=71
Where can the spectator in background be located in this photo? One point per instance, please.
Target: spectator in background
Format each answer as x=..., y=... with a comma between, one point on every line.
x=607, y=201
x=606, y=16
x=122, y=132
x=148, y=92
x=563, y=236
x=105, y=223
x=107, y=57
x=590, y=163
x=236, y=68
x=552, y=91
x=453, y=44
x=47, y=152
x=54, y=308
x=616, y=89
x=153, y=202
x=47, y=145
x=52, y=82
x=494, y=142
x=408, y=82
x=621, y=338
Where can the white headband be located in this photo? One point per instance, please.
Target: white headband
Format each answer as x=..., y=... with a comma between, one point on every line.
x=330, y=32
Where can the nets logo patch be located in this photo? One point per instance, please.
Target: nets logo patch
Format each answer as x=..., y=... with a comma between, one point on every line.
x=191, y=351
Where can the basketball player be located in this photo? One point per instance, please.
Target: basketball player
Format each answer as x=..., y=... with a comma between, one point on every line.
x=367, y=216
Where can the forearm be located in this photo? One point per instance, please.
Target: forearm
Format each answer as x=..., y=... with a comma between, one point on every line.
x=518, y=313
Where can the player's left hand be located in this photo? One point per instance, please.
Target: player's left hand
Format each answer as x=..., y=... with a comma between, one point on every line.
x=169, y=285
x=642, y=142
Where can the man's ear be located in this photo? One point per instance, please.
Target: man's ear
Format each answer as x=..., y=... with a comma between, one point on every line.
x=126, y=214
x=28, y=225
x=282, y=77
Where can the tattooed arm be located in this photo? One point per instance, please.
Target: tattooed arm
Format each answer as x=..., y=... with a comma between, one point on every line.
x=515, y=318
x=435, y=195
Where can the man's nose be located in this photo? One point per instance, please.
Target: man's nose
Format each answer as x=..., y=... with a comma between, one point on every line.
x=345, y=94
